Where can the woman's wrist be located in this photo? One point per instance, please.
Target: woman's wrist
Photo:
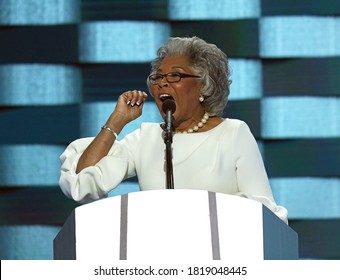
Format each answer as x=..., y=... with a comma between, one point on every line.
x=116, y=122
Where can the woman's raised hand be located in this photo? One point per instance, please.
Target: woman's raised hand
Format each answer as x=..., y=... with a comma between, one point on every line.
x=130, y=104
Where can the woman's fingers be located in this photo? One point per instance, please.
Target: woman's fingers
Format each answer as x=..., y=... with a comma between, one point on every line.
x=130, y=104
x=135, y=97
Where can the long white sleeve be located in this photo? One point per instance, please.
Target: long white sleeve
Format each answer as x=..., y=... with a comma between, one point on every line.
x=93, y=182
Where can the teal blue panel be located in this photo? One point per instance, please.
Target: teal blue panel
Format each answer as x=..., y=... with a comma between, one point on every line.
x=246, y=79
x=294, y=117
x=94, y=116
x=247, y=110
x=42, y=124
x=303, y=157
x=300, y=7
x=39, y=44
x=237, y=38
x=43, y=205
x=105, y=82
x=122, y=9
x=299, y=36
x=301, y=76
x=213, y=9
x=27, y=242
x=21, y=12
x=39, y=84
x=30, y=165
x=121, y=41
x=318, y=239
x=307, y=197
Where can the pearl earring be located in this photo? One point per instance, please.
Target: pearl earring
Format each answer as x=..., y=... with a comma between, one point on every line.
x=201, y=98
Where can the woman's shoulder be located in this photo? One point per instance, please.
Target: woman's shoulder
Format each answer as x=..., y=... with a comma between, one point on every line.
x=233, y=124
x=237, y=128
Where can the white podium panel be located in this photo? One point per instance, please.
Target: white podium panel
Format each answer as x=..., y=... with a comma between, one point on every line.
x=175, y=225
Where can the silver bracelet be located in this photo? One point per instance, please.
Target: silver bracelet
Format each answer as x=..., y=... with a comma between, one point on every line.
x=111, y=130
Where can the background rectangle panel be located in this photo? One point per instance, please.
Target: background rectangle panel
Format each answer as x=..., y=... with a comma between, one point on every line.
x=120, y=41
x=39, y=44
x=299, y=7
x=27, y=242
x=30, y=165
x=237, y=38
x=318, y=238
x=307, y=158
x=300, y=117
x=309, y=76
x=94, y=10
x=43, y=205
x=248, y=111
x=299, y=36
x=105, y=82
x=39, y=124
x=39, y=12
x=308, y=197
x=213, y=9
x=39, y=84
x=246, y=79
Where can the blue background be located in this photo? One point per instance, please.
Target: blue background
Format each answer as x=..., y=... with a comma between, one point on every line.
x=63, y=63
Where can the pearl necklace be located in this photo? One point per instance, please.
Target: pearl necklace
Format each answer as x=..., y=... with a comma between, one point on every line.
x=198, y=126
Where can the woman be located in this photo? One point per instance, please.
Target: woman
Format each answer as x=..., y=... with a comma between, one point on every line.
x=209, y=152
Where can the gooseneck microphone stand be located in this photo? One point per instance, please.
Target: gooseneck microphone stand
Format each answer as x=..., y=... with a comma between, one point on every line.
x=169, y=107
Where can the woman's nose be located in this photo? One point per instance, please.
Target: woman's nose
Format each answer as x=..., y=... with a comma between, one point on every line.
x=163, y=83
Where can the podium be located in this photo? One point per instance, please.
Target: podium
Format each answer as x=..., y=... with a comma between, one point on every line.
x=175, y=225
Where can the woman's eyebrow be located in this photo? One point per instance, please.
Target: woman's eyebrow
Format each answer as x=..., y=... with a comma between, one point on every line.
x=172, y=67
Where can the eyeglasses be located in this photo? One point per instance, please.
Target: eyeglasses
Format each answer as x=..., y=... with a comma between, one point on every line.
x=172, y=77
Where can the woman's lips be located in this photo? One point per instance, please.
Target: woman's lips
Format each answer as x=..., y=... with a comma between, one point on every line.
x=165, y=96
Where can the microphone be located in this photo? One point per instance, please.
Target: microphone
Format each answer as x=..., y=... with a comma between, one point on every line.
x=169, y=107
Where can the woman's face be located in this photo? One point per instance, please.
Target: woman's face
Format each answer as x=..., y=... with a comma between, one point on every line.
x=186, y=92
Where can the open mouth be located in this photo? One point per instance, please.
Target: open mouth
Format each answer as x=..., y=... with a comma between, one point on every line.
x=164, y=97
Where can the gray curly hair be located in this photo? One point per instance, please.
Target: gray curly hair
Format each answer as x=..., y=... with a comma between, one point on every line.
x=208, y=62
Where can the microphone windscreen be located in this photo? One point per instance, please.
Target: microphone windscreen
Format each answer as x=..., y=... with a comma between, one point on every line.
x=169, y=104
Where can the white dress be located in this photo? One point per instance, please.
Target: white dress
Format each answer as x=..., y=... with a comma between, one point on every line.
x=225, y=159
